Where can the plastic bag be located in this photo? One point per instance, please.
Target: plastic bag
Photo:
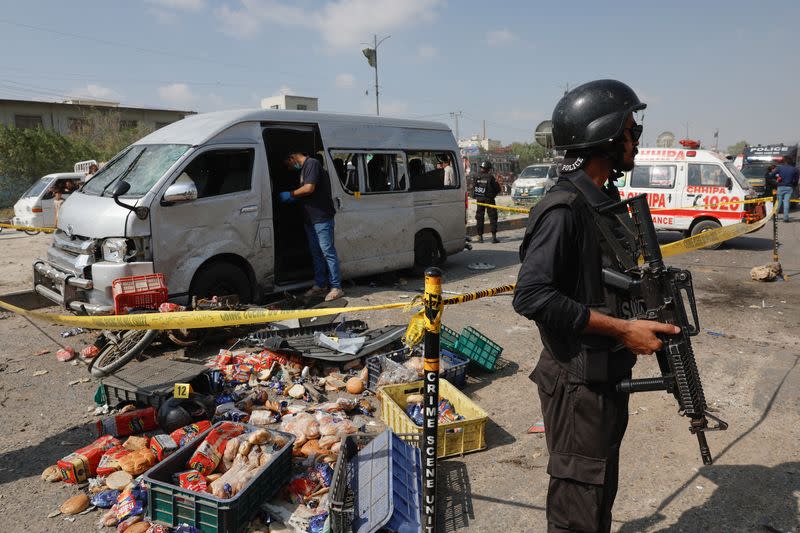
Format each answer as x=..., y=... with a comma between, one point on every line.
x=341, y=345
x=395, y=373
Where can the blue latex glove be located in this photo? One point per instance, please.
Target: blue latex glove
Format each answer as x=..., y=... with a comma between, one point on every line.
x=286, y=197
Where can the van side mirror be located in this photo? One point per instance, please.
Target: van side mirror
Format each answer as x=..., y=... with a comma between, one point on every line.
x=729, y=184
x=180, y=191
x=120, y=188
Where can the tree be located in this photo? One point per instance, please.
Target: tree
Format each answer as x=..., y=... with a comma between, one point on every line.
x=738, y=148
x=529, y=153
x=28, y=154
x=105, y=134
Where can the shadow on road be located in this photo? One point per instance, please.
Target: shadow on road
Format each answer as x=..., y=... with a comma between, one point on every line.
x=454, y=496
x=745, y=493
x=32, y=460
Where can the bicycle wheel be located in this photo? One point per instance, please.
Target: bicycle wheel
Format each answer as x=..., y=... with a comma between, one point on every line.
x=31, y=233
x=120, y=348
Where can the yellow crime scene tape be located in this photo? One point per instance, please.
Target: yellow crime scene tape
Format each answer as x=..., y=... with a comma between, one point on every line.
x=216, y=319
x=504, y=208
x=26, y=228
x=714, y=236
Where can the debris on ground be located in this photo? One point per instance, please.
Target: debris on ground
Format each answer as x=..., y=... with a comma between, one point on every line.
x=768, y=272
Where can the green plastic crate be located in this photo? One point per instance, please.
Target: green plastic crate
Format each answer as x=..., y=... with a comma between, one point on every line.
x=448, y=338
x=173, y=505
x=479, y=348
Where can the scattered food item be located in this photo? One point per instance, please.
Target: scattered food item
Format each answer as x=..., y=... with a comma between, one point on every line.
x=481, y=266
x=297, y=391
x=51, y=474
x=136, y=443
x=81, y=464
x=355, y=385
x=42, y=352
x=538, y=427
x=90, y=352
x=77, y=381
x=127, y=423
x=75, y=505
x=65, y=354
x=119, y=480
x=138, y=462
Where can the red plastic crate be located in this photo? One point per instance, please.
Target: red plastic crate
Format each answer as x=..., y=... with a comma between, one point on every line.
x=148, y=292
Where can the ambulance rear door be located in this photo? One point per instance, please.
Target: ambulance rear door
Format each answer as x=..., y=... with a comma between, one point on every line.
x=660, y=181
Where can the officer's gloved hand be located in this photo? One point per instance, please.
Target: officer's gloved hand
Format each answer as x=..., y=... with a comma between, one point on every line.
x=286, y=197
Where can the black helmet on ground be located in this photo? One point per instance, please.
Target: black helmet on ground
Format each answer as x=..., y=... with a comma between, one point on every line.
x=178, y=412
x=593, y=114
x=486, y=165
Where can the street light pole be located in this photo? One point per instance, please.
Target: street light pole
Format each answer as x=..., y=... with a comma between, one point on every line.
x=372, y=58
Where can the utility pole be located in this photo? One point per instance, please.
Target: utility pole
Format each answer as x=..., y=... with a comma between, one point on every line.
x=687, y=129
x=372, y=58
x=716, y=140
x=456, y=115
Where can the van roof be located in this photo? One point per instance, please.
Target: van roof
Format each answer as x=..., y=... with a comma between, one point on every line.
x=678, y=154
x=197, y=129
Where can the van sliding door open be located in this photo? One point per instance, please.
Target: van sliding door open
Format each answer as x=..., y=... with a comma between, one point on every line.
x=292, y=257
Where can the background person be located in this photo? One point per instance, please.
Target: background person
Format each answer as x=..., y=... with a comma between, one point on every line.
x=485, y=190
x=449, y=174
x=786, y=177
x=314, y=194
x=588, y=345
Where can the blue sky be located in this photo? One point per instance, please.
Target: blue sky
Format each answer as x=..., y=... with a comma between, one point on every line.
x=731, y=66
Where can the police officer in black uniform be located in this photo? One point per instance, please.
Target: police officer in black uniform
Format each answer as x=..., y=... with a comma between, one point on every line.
x=485, y=190
x=588, y=345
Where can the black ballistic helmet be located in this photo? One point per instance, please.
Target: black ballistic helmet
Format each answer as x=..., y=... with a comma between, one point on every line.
x=487, y=165
x=592, y=114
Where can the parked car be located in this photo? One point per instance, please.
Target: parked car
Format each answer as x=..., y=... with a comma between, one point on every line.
x=533, y=182
x=36, y=206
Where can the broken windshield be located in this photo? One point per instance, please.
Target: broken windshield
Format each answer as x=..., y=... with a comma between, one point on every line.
x=140, y=165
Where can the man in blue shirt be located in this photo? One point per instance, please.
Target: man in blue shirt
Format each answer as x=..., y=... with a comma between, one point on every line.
x=318, y=212
x=787, y=176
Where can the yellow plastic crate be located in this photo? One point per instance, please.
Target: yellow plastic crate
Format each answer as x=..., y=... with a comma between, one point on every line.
x=455, y=438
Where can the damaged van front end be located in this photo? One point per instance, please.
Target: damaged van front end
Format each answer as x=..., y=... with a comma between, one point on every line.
x=100, y=238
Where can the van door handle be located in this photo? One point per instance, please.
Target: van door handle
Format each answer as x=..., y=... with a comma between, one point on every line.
x=249, y=209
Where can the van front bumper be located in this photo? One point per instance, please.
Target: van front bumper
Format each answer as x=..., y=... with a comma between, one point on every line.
x=80, y=295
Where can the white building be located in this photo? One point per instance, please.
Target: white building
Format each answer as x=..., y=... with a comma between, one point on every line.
x=476, y=142
x=288, y=101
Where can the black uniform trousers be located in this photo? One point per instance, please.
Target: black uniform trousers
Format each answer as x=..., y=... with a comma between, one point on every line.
x=479, y=212
x=584, y=425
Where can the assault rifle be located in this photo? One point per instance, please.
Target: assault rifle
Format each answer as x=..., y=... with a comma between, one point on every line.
x=662, y=293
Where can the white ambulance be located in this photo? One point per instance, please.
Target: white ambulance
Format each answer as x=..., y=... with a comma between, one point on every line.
x=688, y=189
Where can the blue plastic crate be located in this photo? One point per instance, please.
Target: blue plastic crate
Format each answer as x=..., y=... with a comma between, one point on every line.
x=453, y=367
x=388, y=474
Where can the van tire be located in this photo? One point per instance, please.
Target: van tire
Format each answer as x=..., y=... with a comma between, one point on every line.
x=428, y=251
x=221, y=278
x=706, y=225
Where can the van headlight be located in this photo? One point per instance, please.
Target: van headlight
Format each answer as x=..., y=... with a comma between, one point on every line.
x=115, y=250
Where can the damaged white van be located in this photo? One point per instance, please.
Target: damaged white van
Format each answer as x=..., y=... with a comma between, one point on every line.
x=197, y=201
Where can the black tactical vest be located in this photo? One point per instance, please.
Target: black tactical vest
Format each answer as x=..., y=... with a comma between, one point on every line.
x=587, y=358
x=481, y=189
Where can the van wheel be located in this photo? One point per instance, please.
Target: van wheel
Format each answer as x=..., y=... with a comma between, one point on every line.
x=706, y=225
x=221, y=278
x=427, y=252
